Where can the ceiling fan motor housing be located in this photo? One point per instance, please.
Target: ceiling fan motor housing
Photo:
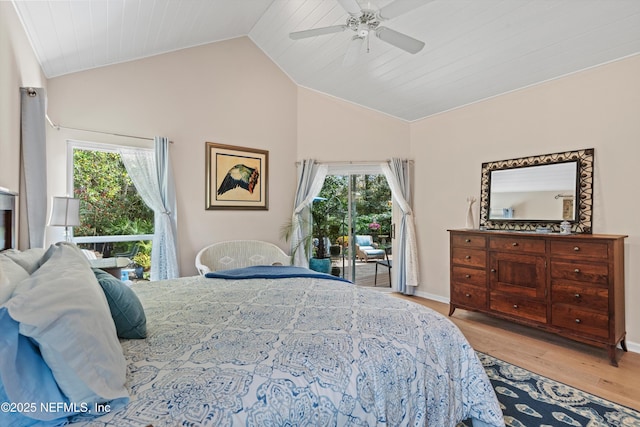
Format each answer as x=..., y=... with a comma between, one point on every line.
x=367, y=21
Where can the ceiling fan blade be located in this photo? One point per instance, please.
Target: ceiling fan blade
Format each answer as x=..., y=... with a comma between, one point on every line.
x=399, y=7
x=353, y=51
x=351, y=6
x=399, y=40
x=296, y=35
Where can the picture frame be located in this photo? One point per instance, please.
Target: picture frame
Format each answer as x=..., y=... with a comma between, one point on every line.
x=236, y=177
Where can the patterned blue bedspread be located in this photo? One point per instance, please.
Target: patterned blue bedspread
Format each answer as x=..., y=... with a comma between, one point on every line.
x=297, y=352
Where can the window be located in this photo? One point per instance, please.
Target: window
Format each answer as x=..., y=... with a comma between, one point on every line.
x=114, y=219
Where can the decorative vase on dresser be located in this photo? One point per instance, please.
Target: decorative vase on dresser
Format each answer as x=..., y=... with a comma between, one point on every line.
x=570, y=285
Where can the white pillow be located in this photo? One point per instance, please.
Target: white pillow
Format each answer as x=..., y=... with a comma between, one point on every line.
x=10, y=275
x=28, y=259
x=62, y=307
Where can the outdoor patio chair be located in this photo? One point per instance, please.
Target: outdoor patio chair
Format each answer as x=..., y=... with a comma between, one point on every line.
x=386, y=262
x=133, y=252
x=366, y=249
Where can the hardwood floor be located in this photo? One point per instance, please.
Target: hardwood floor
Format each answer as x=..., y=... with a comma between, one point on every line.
x=579, y=365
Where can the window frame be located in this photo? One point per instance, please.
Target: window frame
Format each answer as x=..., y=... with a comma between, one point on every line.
x=110, y=148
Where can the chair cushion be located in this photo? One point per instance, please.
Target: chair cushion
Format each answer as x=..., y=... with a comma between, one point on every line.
x=373, y=252
x=364, y=240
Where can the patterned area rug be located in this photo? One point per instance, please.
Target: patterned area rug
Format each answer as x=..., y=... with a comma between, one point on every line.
x=529, y=400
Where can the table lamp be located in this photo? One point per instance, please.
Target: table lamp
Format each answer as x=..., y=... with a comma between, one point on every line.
x=65, y=212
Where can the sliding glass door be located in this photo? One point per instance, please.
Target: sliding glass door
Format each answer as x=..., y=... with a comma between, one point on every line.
x=354, y=212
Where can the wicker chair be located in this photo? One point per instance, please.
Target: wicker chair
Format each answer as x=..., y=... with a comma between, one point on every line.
x=366, y=249
x=239, y=253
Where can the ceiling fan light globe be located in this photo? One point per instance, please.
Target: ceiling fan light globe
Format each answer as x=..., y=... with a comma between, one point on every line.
x=363, y=30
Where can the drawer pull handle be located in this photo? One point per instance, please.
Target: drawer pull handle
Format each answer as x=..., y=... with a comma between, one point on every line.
x=468, y=241
x=514, y=244
x=467, y=276
x=577, y=270
x=467, y=295
x=467, y=257
x=493, y=270
x=515, y=305
x=576, y=248
x=578, y=321
x=577, y=295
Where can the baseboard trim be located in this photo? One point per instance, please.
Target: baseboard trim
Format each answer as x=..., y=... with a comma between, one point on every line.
x=631, y=346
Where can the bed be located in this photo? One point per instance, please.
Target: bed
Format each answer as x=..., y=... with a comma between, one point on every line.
x=288, y=350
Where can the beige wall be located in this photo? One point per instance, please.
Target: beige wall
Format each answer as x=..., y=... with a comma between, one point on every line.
x=227, y=92
x=18, y=68
x=330, y=129
x=597, y=108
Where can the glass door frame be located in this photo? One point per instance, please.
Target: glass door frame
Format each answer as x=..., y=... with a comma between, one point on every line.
x=352, y=171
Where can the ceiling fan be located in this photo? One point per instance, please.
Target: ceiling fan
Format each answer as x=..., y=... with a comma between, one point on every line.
x=364, y=21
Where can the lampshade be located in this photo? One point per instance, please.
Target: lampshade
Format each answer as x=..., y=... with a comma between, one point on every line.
x=65, y=212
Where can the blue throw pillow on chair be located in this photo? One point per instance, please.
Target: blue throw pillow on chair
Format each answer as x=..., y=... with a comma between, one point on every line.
x=364, y=240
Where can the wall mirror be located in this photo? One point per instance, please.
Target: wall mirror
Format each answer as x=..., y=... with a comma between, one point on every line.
x=538, y=191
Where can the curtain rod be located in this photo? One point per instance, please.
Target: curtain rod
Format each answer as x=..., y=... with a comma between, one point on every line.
x=58, y=127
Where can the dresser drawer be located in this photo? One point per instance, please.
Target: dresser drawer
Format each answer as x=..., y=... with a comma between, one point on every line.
x=590, y=273
x=576, y=250
x=519, y=307
x=592, y=298
x=517, y=244
x=469, y=241
x=469, y=257
x=469, y=276
x=586, y=322
x=470, y=296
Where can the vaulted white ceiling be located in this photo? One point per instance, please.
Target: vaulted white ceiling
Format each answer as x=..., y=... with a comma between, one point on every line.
x=475, y=49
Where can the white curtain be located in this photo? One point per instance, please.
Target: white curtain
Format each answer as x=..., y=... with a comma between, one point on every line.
x=151, y=174
x=310, y=181
x=406, y=261
x=34, y=163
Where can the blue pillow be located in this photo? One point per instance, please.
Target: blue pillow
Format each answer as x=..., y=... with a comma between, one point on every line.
x=126, y=309
x=26, y=378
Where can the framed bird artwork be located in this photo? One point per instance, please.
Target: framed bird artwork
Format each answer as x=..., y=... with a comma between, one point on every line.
x=236, y=177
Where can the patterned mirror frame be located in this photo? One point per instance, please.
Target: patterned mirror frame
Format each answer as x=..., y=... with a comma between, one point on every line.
x=584, y=202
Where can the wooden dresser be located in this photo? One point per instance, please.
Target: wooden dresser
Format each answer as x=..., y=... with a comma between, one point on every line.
x=570, y=285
